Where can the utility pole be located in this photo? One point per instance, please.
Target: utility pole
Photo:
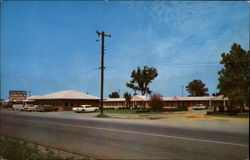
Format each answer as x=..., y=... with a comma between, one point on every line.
x=102, y=66
x=182, y=90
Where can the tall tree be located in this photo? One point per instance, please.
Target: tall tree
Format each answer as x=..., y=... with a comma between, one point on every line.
x=128, y=98
x=114, y=95
x=141, y=78
x=234, y=76
x=197, y=88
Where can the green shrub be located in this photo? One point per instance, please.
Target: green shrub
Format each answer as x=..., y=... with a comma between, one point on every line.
x=233, y=110
x=221, y=108
x=143, y=111
x=182, y=108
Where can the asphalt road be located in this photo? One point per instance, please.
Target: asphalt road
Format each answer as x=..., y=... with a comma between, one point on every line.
x=115, y=140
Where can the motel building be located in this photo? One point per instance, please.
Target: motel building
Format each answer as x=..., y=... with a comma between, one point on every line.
x=114, y=103
x=139, y=101
x=67, y=99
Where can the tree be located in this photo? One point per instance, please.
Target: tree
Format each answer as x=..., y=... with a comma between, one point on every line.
x=156, y=102
x=197, y=88
x=141, y=78
x=114, y=95
x=216, y=94
x=132, y=86
x=128, y=98
x=234, y=76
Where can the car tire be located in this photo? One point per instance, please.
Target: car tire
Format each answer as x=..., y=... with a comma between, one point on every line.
x=96, y=110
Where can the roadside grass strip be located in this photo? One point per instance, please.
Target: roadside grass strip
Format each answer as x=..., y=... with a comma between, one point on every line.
x=14, y=150
x=143, y=133
x=239, y=115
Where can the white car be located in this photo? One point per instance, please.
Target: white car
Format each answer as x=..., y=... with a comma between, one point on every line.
x=30, y=107
x=18, y=107
x=199, y=107
x=85, y=108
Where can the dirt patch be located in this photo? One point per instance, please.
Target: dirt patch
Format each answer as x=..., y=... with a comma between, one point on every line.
x=192, y=116
x=154, y=118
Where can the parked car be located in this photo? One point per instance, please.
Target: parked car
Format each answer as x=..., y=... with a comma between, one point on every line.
x=199, y=107
x=85, y=108
x=46, y=108
x=18, y=107
x=30, y=107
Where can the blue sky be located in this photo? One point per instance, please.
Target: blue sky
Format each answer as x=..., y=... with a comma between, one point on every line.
x=51, y=46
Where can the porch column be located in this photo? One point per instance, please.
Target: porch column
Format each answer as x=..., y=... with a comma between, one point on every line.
x=210, y=104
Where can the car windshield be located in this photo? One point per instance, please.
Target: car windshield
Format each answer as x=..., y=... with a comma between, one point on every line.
x=86, y=106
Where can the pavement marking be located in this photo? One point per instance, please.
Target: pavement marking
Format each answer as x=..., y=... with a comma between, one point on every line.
x=139, y=133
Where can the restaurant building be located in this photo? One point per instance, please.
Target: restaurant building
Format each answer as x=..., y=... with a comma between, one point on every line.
x=66, y=100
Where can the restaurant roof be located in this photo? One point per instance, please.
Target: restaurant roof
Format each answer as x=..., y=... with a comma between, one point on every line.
x=67, y=94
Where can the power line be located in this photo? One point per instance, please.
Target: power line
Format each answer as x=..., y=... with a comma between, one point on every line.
x=164, y=63
x=141, y=58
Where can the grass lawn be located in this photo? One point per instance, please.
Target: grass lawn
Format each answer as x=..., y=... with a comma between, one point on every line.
x=138, y=111
x=102, y=116
x=239, y=115
x=13, y=150
x=120, y=111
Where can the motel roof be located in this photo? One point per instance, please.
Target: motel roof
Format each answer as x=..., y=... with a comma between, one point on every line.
x=219, y=98
x=67, y=94
x=114, y=100
x=140, y=98
x=205, y=98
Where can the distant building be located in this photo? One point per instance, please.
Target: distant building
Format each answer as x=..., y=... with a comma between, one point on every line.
x=17, y=96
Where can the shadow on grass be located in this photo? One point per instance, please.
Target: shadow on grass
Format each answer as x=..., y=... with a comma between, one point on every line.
x=103, y=116
x=225, y=114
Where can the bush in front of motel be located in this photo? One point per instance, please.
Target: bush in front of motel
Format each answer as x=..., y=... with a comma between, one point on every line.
x=182, y=108
x=155, y=102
